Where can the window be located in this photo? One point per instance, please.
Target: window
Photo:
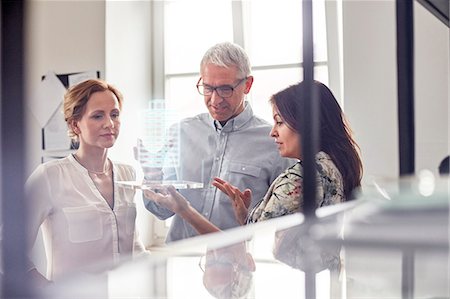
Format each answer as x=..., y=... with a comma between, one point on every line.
x=270, y=31
x=186, y=38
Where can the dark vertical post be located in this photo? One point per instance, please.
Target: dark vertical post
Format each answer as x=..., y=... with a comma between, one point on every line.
x=405, y=82
x=14, y=283
x=309, y=129
x=405, y=85
x=309, y=137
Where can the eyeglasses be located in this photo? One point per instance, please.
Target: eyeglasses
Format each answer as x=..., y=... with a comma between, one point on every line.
x=223, y=91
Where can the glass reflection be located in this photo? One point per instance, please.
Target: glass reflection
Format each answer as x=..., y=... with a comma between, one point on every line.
x=228, y=271
x=294, y=247
x=269, y=258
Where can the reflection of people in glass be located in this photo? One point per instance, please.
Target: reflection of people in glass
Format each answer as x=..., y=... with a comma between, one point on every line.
x=228, y=271
x=293, y=246
x=85, y=217
x=229, y=142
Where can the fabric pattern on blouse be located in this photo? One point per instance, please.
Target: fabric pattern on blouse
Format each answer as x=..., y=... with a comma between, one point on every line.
x=284, y=195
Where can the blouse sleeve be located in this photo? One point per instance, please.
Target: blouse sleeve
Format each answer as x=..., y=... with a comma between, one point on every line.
x=284, y=198
x=37, y=205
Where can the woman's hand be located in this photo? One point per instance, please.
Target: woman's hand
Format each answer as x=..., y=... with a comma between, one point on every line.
x=169, y=198
x=240, y=201
x=174, y=201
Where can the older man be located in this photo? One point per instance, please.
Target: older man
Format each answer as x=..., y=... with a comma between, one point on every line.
x=229, y=142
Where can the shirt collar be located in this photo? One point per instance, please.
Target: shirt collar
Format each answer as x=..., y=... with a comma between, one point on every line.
x=235, y=123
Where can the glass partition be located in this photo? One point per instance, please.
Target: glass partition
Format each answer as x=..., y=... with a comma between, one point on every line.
x=394, y=236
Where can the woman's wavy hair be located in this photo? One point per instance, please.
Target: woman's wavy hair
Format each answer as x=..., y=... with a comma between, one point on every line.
x=77, y=96
x=335, y=134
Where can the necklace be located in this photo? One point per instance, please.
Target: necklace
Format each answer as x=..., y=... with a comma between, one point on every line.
x=104, y=172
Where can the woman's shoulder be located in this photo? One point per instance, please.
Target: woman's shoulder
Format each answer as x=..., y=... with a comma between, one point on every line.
x=53, y=164
x=292, y=174
x=122, y=166
x=295, y=169
x=124, y=169
x=48, y=170
x=324, y=161
x=327, y=168
x=322, y=157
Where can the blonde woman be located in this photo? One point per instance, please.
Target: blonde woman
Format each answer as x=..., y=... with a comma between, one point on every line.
x=86, y=218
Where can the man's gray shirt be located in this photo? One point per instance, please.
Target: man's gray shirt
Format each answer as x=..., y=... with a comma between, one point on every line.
x=241, y=152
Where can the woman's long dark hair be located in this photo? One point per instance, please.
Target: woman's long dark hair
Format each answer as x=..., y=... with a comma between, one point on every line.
x=335, y=134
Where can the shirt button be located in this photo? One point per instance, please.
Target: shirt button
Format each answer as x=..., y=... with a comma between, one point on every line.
x=217, y=158
x=243, y=168
x=206, y=213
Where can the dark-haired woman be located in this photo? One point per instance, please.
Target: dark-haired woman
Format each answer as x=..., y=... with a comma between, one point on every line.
x=339, y=168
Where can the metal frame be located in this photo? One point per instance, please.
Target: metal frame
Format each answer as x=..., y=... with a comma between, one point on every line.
x=14, y=282
x=405, y=83
x=309, y=136
x=406, y=132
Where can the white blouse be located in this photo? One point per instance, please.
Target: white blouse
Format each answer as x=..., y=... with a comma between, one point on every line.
x=80, y=229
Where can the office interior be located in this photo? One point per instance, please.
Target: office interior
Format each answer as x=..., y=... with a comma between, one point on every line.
x=152, y=49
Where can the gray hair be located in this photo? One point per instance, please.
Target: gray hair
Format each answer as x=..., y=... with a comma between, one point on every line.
x=227, y=54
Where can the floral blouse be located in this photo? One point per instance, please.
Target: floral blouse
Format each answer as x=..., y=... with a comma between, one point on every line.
x=285, y=196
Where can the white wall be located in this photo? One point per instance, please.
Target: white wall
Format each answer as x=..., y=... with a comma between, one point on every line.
x=370, y=85
x=432, y=94
x=63, y=37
